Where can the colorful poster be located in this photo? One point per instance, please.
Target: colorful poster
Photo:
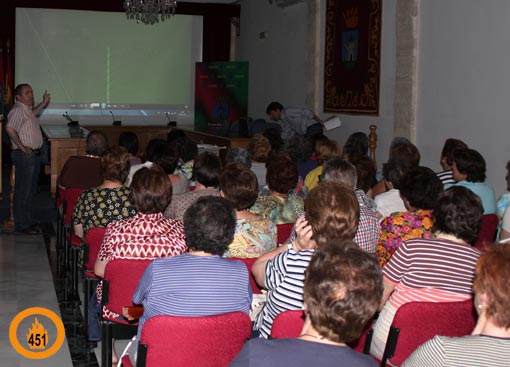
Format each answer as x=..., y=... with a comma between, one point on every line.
x=221, y=96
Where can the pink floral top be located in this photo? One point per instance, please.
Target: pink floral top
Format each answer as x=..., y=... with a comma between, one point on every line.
x=402, y=226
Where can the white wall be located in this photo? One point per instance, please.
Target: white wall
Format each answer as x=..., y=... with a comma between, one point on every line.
x=277, y=65
x=464, y=81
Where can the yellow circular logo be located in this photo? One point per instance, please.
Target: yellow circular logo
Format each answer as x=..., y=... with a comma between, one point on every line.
x=37, y=337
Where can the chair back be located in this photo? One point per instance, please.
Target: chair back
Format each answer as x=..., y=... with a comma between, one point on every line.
x=69, y=199
x=121, y=277
x=418, y=322
x=283, y=232
x=248, y=262
x=288, y=324
x=488, y=230
x=93, y=240
x=208, y=341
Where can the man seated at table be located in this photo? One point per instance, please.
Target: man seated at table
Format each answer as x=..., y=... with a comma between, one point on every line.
x=84, y=172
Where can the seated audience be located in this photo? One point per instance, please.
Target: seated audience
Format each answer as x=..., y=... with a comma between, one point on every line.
x=206, y=173
x=165, y=156
x=259, y=148
x=281, y=204
x=414, y=273
x=275, y=138
x=390, y=201
x=200, y=282
x=502, y=209
x=148, y=235
x=450, y=146
x=469, y=171
x=420, y=188
x=254, y=235
x=300, y=150
x=239, y=155
x=84, y=172
x=129, y=140
x=300, y=189
x=369, y=231
x=401, y=149
x=324, y=151
x=366, y=171
x=187, y=150
x=504, y=200
x=489, y=343
x=332, y=214
x=149, y=156
x=109, y=202
x=356, y=145
x=333, y=317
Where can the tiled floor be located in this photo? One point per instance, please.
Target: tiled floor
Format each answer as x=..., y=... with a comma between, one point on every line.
x=28, y=278
x=26, y=281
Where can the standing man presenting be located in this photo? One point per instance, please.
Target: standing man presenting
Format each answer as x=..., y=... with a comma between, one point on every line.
x=294, y=121
x=26, y=138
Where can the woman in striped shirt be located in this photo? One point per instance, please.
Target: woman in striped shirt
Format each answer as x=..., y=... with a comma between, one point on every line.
x=439, y=269
x=332, y=213
x=489, y=343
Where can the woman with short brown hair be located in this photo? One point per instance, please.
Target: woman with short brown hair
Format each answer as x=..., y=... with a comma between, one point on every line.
x=109, y=202
x=254, y=235
x=281, y=204
x=343, y=287
x=148, y=235
x=332, y=214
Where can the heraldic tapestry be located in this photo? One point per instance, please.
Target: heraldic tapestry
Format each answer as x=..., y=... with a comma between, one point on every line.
x=352, y=59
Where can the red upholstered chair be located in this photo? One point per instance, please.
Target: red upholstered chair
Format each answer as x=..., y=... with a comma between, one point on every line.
x=210, y=341
x=488, y=231
x=283, y=232
x=121, y=277
x=71, y=244
x=255, y=289
x=417, y=322
x=288, y=324
x=92, y=241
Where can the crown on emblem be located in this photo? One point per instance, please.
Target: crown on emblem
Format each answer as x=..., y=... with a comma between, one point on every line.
x=351, y=17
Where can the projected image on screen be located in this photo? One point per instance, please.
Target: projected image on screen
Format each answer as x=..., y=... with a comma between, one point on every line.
x=94, y=62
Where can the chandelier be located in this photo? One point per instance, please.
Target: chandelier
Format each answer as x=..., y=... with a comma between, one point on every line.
x=149, y=11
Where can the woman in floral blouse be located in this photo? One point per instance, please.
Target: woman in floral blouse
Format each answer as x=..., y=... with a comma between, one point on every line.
x=105, y=204
x=254, y=235
x=419, y=189
x=281, y=205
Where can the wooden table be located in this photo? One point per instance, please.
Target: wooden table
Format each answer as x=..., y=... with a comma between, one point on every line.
x=63, y=145
x=147, y=133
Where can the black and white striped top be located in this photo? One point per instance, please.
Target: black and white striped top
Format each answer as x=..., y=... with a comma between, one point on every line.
x=446, y=177
x=285, y=276
x=468, y=351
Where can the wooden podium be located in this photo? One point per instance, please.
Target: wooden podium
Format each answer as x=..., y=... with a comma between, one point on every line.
x=63, y=145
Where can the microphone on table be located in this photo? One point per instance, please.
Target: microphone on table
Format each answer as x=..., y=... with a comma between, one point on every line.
x=115, y=122
x=170, y=122
x=70, y=122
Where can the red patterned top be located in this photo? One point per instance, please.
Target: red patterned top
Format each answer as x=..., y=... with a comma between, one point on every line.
x=145, y=236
